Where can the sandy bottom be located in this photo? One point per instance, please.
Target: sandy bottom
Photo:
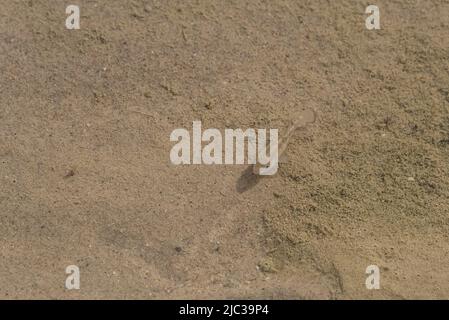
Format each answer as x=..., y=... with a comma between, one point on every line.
x=86, y=179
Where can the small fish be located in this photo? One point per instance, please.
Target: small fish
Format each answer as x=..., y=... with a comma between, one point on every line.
x=306, y=118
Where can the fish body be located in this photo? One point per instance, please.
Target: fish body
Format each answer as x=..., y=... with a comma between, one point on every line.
x=280, y=152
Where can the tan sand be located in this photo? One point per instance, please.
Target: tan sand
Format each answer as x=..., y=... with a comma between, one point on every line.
x=85, y=175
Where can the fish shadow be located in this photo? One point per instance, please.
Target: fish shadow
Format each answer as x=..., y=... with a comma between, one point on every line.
x=247, y=180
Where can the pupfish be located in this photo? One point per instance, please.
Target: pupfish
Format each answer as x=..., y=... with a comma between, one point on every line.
x=279, y=154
